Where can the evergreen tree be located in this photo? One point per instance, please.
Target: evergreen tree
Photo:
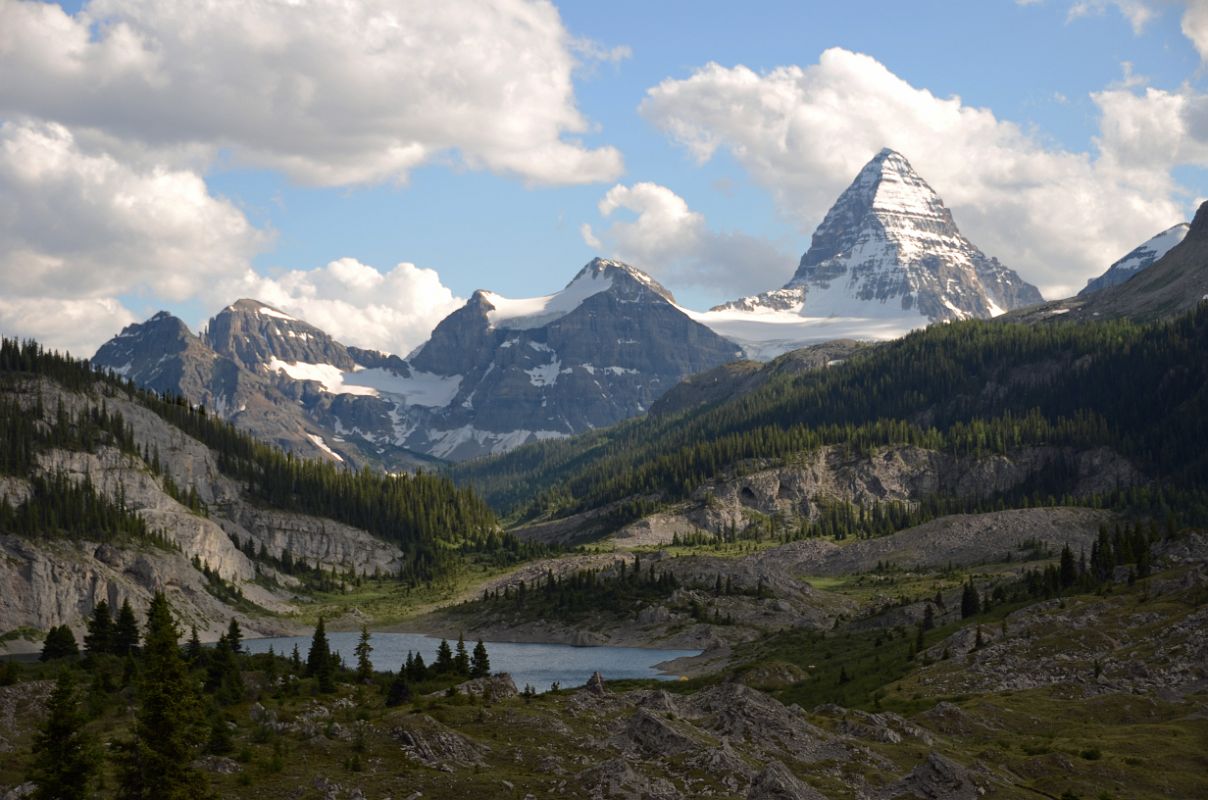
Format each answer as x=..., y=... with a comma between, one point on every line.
x=320, y=661
x=295, y=660
x=928, y=617
x=235, y=636
x=480, y=665
x=461, y=658
x=157, y=764
x=65, y=760
x=399, y=691
x=444, y=658
x=99, y=638
x=193, y=650
x=970, y=601
x=60, y=642
x=418, y=671
x=223, y=677
x=362, y=651
x=1068, y=569
x=125, y=631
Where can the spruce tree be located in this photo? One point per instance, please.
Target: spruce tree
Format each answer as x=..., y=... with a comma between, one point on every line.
x=65, y=759
x=399, y=691
x=320, y=661
x=99, y=638
x=157, y=764
x=362, y=651
x=461, y=658
x=193, y=650
x=234, y=636
x=970, y=601
x=1068, y=569
x=60, y=642
x=444, y=658
x=480, y=665
x=125, y=631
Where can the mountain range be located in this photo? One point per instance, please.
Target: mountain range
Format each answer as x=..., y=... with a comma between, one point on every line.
x=501, y=372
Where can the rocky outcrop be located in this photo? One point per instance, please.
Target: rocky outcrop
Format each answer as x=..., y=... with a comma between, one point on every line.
x=775, y=782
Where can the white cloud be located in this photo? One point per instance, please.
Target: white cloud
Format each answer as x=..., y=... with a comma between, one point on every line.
x=1059, y=217
x=1195, y=26
x=79, y=228
x=331, y=93
x=78, y=326
x=79, y=224
x=1137, y=12
x=674, y=243
x=358, y=305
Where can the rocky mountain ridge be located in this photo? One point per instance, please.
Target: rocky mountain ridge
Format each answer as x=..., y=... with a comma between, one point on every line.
x=495, y=374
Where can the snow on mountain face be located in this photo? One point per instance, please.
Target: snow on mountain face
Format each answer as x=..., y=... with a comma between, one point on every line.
x=1138, y=259
x=886, y=258
x=533, y=312
x=252, y=334
x=495, y=374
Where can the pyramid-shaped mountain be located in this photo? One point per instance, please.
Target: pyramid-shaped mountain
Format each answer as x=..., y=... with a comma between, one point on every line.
x=889, y=249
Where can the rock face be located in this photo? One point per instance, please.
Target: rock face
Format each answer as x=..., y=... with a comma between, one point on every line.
x=49, y=582
x=1137, y=259
x=887, y=258
x=495, y=374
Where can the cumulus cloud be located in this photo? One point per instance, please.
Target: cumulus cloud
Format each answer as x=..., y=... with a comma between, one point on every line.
x=79, y=228
x=1058, y=217
x=77, y=326
x=672, y=242
x=331, y=93
x=79, y=224
x=1137, y=12
x=357, y=304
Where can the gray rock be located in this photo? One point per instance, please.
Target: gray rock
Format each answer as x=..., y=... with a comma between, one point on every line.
x=775, y=782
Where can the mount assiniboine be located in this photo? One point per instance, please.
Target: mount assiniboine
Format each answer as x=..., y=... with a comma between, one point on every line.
x=887, y=258
x=495, y=374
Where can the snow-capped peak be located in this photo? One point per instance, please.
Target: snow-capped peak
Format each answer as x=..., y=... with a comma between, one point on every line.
x=599, y=275
x=1138, y=258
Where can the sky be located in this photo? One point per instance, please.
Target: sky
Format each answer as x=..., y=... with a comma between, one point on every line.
x=367, y=166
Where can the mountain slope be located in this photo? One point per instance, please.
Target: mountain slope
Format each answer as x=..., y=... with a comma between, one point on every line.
x=109, y=492
x=886, y=258
x=1141, y=392
x=1172, y=285
x=1137, y=259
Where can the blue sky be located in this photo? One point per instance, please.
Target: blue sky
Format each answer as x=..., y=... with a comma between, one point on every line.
x=1039, y=83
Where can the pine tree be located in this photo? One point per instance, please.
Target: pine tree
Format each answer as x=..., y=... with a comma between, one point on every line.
x=461, y=658
x=480, y=665
x=125, y=631
x=99, y=638
x=60, y=642
x=399, y=691
x=235, y=636
x=157, y=764
x=364, y=665
x=1068, y=569
x=193, y=650
x=65, y=759
x=928, y=617
x=444, y=658
x=295, y=660
x=320, y=661
x=970, y=601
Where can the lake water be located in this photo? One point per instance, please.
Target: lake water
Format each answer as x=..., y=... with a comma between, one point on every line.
x=539, y=665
